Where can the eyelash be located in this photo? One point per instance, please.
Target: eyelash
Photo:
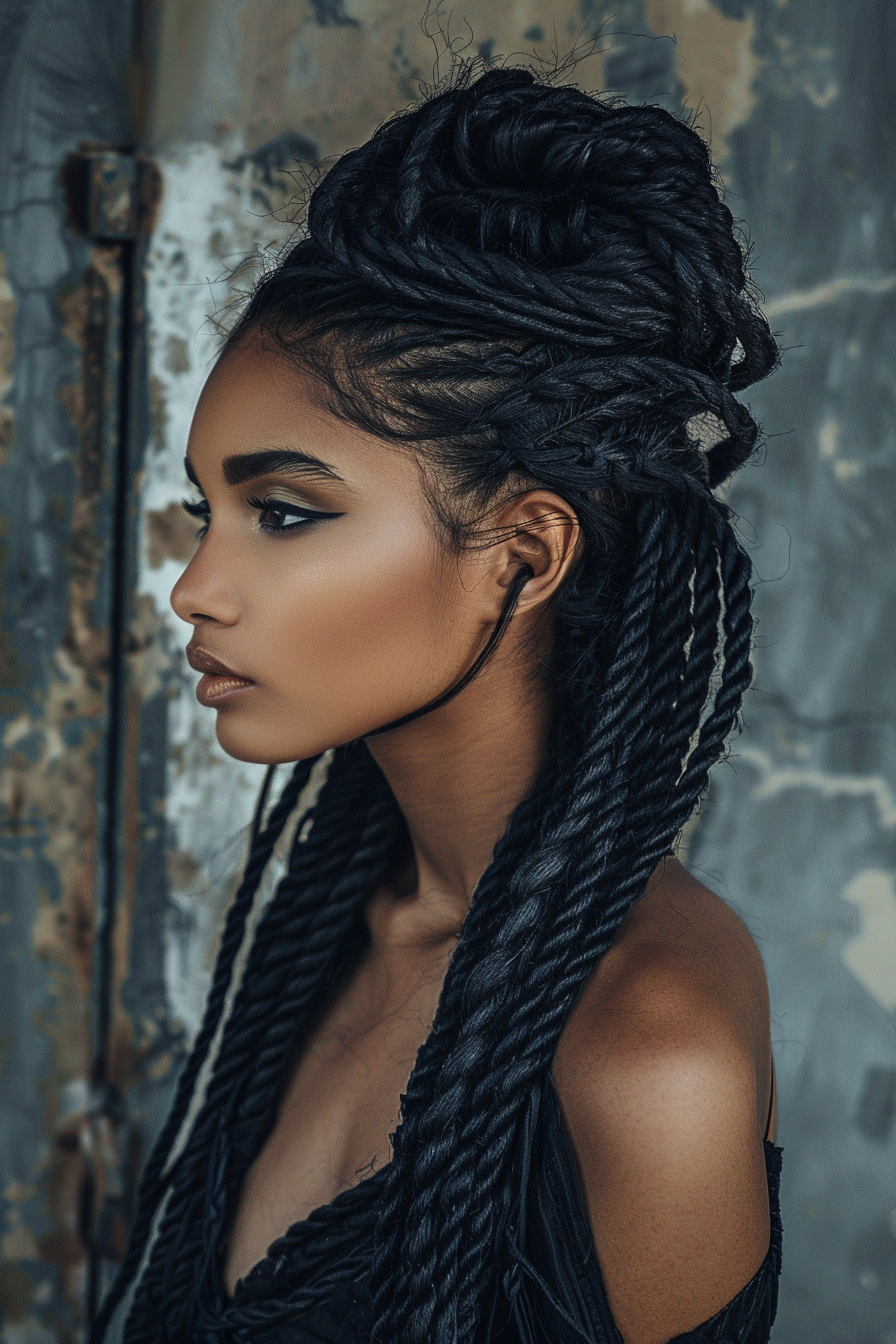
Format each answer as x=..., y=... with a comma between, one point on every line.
x=303, y=516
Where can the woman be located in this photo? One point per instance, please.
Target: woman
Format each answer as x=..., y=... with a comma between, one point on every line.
x=481, y=1060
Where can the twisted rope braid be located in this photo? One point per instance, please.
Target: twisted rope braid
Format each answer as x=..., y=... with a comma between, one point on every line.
x=528, y=285
x=537, y=1020
x=258, y=1036
x=297, y=946
x=243, y=1127
x=150, y=1190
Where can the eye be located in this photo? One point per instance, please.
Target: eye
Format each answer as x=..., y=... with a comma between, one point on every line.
x=273, y=514
x=201, y=510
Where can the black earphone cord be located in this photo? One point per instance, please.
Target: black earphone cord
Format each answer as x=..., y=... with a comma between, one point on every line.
x=520, y=579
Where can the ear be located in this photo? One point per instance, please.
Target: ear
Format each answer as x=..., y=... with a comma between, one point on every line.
x=541, y=530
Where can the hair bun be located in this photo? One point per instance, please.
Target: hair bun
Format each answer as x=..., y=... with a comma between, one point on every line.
x=523, y=198
x=538, y=217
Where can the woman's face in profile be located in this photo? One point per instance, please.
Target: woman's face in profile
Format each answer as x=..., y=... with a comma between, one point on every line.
x=320, y=580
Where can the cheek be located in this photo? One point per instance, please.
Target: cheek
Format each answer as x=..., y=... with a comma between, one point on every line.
x=357, y=607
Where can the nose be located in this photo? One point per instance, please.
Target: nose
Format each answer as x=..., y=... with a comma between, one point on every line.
x=204, y=591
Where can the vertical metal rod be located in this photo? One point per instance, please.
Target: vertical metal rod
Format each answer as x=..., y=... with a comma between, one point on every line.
x=107, y=1104
x=110, y=195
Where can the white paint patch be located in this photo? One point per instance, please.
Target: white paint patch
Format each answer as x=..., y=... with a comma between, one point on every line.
x=776, y=780
x=848, y=468
x=871, y=954
x=74, y=1098
x=829, y=436
x=208, y=225
x=829, y=439
x=799, y=301
x=194, y=917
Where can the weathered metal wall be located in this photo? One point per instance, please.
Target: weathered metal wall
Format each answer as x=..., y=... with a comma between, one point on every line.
x=62, y=309
x=798, y=832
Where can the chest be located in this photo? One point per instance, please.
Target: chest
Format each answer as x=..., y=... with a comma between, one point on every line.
x=340, y=1104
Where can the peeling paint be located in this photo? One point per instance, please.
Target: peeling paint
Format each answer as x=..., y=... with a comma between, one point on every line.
x=207, y=225
x=177, y=355
x=48, y=792
x=829, y=439
x=716, y=63
x=18, y=1241
x=170, y=535
x=147, y=658
x=775, y=780
x=292, y=67
x=819, y=295
x=13, y=675
x=871, y=954
x=798, y=67
x=16, y=1293
x=243, y=75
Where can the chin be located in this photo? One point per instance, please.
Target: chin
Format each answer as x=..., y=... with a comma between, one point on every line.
x=245, y=745
x=261, y=747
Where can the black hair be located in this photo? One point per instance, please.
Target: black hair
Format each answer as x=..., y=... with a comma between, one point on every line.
x=523, y=283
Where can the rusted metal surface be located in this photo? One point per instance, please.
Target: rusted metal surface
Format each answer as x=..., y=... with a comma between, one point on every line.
x=70, y=224
x=240, y=99
x=111, y=197
x=59, y=303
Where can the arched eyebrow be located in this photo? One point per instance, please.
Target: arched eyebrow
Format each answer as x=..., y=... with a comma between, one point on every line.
x=243, y=467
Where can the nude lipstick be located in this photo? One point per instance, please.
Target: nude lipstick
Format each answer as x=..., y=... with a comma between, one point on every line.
x=219, y=682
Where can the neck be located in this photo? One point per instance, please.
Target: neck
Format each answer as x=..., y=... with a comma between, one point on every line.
x=458, y=774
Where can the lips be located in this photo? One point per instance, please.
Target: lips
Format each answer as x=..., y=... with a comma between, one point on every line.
x=202, y=661
x=218, y=680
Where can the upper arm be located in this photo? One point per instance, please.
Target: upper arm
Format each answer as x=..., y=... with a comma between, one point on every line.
x=660, y=1099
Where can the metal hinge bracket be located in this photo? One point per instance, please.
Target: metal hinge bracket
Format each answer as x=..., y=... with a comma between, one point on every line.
x=112, y=195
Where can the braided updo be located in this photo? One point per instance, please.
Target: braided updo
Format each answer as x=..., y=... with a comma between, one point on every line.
x=524, y=284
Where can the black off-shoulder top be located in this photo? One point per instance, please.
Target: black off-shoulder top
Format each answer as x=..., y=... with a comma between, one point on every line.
x=552, y=1292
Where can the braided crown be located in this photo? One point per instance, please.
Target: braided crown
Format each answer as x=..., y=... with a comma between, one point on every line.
x=586, y=237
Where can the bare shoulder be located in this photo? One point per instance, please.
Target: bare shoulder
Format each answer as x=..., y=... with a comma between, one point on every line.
x=663, y=1073
x=682, y=987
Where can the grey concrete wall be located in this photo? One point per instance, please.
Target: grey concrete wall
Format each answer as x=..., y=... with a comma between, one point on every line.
x=798, y=831
x=800, y=828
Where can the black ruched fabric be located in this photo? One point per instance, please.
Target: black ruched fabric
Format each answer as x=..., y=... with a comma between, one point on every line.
x=552, y=1291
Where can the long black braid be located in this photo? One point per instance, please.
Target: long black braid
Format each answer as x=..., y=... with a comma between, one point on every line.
x=529, y=285
x=153, y=1184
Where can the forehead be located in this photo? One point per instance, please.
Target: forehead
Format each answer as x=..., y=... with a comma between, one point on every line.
x=256, y=401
